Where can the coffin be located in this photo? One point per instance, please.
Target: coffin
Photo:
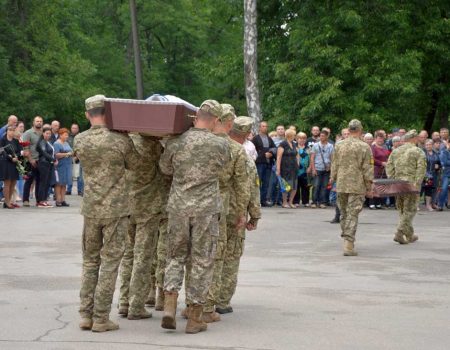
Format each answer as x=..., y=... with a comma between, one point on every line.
x=153, y=118
x=391, y=187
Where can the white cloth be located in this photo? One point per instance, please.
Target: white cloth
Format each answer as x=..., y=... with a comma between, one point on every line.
x=250, y=149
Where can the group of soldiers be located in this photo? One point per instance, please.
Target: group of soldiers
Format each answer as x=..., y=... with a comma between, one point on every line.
x=166, y=211
x=352, y=170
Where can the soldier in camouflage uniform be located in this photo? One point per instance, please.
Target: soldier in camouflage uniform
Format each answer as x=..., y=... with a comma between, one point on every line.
x=236, y=235
x=352, y=170
x=146, y=209
x=105, y=156
x=408, y=163
x=195, y=160
x=233, y=176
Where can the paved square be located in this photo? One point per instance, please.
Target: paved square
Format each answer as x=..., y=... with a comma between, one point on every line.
x=296, y=290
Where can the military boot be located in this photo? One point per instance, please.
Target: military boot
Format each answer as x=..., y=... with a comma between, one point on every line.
x=224, y=310
x=123, y=310
x=349, y=249
x=413, y=238
x=185, y=312
x=104, y=326
x=159, y=305
x=151, y=298
x=195, y=323
x=86, y=324
x=210, y=317
x=400, y=238
x=170, y=310
x=143, y=314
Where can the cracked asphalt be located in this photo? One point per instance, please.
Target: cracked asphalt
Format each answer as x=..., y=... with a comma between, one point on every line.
x=295, y=291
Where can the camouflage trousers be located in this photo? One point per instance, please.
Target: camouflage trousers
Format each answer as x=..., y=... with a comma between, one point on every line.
x=136, y=263
x=350, y=206
x=192, y=245
x=407, y=209
x=233, y=254
x=103, y=244
x=161, y=253
x=216, y=284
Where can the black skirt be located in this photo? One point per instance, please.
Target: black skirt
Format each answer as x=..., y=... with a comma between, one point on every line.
x=8, y=170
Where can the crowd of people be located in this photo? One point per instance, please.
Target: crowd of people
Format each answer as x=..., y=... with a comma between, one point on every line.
x=40, y=158
x=287, y=157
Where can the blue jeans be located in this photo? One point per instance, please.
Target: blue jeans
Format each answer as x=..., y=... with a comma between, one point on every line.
x=19, y=186
x=320, y=187
x=443, y=198
x=264, y=174
x=80, y=183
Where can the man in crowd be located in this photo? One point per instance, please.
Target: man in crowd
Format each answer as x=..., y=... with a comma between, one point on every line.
x=106, y=155
x=352, y=170
x=280, y=135
x=444, y=136
x=236, y=235
x=233, y=178
x=407, y=163
x=314, y=138
x=143, y=230
x=423, y=135
x=265, y=147
x=320, y=168
x=195, y=160
x=55, y=128
x=32, y=135
x=74, y=131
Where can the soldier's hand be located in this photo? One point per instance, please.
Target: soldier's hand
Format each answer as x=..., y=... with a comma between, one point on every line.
x=240, y=223
x=252, y=224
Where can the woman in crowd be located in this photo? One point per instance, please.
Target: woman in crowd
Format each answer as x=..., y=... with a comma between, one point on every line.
x=287, y=166
x=10, y=152
x=46, y=168
x=444, y=157
x=368, y=138
x=302, y=176
x=431, y=175
x=380, y=157
x=63, y=153
x=19, y=186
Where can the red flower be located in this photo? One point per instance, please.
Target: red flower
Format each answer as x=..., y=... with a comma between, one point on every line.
x=25, y=143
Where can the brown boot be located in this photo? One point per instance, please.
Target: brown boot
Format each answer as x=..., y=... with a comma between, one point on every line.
x=139, y=316
x=349, y=249
x=159, y=305
x=413, y=238
x=195, y=323
x=170, y=310
x=210, y=317
x=400, y=238
x=151, y=298
x=86, y=324
x=185, y=312
x=123, y=310
x=105, y=327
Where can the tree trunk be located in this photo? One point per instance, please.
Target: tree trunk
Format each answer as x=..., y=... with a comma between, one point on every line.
x=137, y=51
x=251, y=61
x=428, y=126
x=443, y=117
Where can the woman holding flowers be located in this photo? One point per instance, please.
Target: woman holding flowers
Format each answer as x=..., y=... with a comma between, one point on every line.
x=9, y=159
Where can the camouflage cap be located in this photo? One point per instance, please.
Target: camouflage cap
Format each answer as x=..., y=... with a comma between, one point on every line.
x=97, y=101
x=212, y=107
x=228, y=112
x=410, y=134
x=355, y=124
x=243, y=125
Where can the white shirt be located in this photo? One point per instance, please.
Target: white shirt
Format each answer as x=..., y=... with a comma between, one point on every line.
x=250, y=149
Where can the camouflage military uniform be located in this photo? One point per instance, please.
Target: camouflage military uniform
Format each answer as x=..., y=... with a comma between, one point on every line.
x=408, y=163
x=236, y=237
x=105, y=156
x=141, y=244
x=233, y=176
x=195, y=160
x=352, y=170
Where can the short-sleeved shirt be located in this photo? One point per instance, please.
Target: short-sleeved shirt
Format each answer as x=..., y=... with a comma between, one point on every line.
x=323, y=154
x=33, y=137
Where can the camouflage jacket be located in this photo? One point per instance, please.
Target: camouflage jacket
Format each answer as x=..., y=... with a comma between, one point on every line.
x=408, y=163
x=352, y=166
x=195, y=160
x=145, y=180
x=234, y=176
x=105, y=155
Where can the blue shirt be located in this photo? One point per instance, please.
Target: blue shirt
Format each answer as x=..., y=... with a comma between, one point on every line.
x=323, y=154
x=3, y=130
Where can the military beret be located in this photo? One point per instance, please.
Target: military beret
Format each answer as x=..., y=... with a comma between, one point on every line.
x=228, y=112
x=97, y=101
x=212, y=107
x=355, y=124
x=243, y=125
x=410, y=134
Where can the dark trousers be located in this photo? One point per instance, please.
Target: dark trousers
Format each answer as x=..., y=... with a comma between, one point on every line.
x=34, y=176
x=264, y=174
x=45, y=170
x=320, y=187
x=302, y=190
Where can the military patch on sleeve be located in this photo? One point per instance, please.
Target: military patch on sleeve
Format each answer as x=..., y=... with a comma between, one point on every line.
x=257, y=181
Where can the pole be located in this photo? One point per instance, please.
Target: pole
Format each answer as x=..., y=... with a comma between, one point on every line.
x=137, y=51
